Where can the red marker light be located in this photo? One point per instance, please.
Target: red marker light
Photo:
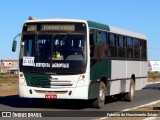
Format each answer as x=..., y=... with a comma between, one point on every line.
x=83, y=76
x=21, y=75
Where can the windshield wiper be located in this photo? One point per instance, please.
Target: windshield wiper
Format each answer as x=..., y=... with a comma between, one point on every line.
x=65, y=37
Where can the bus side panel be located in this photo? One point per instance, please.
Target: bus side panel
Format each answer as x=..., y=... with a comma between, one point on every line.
x=122, y=72
x=93, y=90
x=144, y=73
x=101, y=69
x=139, y=69
x=118, y=82
x=134, y=68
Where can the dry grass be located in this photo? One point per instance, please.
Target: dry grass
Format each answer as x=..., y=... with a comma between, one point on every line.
x=8, y=83
x=153, y=77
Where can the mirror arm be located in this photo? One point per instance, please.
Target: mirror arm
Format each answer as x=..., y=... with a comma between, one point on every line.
x=18, y=35
x=15, y=42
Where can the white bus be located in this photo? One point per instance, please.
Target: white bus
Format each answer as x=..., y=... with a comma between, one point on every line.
x=80, y=59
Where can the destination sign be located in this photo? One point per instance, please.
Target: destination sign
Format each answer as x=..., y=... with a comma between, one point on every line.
x=58, y=27
x=32, y=28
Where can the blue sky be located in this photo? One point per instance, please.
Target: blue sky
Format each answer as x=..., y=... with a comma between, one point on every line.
x=141, y=16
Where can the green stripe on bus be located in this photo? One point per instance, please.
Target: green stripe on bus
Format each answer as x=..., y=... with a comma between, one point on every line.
x=98, y=25
x=37, y=80
x=93, y=91
x=99, y=70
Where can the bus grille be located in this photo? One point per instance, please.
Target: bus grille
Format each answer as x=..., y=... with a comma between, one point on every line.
x=60, y=83
x=45, y=81
x=39, y=82
x=51, y=92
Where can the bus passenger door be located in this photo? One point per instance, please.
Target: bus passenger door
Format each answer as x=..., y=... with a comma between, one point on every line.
x=93, y=49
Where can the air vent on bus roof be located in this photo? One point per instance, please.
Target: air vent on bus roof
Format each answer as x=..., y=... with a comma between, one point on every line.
x=32, y=18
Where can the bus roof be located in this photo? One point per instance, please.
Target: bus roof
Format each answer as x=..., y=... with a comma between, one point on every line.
x=55, y=20
x=116, y=30
x=96, y=25
x=127, y=33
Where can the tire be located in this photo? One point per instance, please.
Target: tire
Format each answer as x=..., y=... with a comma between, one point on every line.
x=100, y=101
x=131, y=94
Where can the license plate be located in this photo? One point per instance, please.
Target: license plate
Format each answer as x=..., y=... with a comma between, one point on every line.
x=51, y=96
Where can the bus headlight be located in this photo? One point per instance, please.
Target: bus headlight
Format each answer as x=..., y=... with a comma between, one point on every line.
x=81, y=81
x=21, y=81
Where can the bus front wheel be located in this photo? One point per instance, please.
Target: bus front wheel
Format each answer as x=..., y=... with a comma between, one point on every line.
x=131, y=94
x=100, y=101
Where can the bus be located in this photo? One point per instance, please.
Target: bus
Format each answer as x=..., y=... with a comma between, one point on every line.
x=80, y=59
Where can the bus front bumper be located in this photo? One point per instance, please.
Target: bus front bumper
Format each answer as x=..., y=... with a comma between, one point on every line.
x=57, y=93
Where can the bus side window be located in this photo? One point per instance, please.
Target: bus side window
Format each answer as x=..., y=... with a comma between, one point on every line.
x=136, y=47
x=121, y=46
x=91, y=46
x=112, y=39
x=112, y=45
x=95, y=51
x=103, y=47
x=129, y=46
x=143, y=46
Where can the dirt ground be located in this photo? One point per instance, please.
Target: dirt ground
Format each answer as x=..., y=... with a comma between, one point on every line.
x=7, y=93
x=8, y=85
x=153, y=80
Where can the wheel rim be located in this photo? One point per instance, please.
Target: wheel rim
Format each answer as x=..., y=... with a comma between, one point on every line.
x=132, y=91
x=102, y=95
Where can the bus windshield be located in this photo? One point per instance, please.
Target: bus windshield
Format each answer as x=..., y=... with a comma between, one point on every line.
x=53, y=51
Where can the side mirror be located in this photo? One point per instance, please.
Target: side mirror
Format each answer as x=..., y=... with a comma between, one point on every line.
x=98, y=39
x=14, y=45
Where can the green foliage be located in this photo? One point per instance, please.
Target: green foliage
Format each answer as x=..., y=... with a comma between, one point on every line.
x=1, y=74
